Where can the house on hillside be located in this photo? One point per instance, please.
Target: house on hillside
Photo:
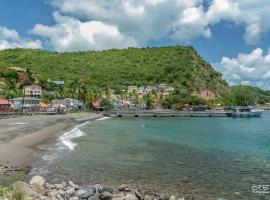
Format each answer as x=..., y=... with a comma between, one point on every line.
x=168, y=90
x=59, y=83
x=132, y=89
x=141, y=90
x=32, y=91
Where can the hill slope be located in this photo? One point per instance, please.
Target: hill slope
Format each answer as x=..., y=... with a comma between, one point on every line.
x=180, y=66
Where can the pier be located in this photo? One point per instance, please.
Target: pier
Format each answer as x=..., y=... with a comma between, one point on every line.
x=166, y=113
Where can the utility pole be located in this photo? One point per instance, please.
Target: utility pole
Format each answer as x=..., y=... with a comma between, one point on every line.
x=23, y=100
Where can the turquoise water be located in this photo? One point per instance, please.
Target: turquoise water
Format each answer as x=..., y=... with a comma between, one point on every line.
x=212, y=158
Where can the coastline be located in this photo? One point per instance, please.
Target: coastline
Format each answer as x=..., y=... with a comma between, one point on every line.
x=19, y=136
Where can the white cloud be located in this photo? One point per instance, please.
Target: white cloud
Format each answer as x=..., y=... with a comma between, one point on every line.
x=180, y=20
x=9, y=38
x=70, y=34
x=252, y=69
x=252, y=14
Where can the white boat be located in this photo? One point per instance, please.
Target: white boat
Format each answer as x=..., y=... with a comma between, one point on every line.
x=246, y=112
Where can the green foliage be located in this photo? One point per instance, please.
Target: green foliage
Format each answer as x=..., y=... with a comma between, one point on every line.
x=118, y=68
x=105, y=103
x=245, y=95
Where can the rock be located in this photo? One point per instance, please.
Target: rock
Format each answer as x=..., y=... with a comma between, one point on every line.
x=93, y=198
x=147, y=197
x=70, y=191
x=105, y=196
x=189, y=197
x=139, y=195
x=106, y=189
x=86, y=193
x=38, y=180
x=59, y=186
x=130, y=197
x=123, y=188
x=64, y=183
x=75, y=186
x=26, y=189
x=74, y=198
x=43, y=198
x=98, y=187
x=172, y=198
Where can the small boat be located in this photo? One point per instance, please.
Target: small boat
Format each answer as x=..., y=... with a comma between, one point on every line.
x=246, y=112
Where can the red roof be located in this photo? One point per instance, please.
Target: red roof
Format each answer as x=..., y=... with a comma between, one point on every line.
x=4, y=102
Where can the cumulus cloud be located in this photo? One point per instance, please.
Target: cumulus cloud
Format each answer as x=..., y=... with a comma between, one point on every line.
x=247, y=69
x=94, y=24
x=9, y=38
x=70, y=34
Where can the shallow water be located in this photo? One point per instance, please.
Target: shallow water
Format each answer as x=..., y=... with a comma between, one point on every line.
x=213, y=158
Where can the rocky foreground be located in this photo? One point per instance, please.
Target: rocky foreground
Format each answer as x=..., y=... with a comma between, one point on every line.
x=39, y=189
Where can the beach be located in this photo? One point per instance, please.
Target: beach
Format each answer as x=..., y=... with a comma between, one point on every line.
x=19, y=136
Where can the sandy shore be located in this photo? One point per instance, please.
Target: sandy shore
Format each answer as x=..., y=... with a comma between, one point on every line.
x=18, y=136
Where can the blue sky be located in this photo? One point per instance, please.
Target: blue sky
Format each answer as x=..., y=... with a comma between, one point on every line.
x=233, y=35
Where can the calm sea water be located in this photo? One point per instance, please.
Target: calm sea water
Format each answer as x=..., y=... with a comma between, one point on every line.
x=212, y=158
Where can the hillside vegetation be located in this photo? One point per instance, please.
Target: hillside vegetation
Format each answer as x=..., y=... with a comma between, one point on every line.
x=194, y=80
x=179, y=66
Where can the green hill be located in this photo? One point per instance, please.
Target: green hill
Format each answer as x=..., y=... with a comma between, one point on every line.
x=180, y=66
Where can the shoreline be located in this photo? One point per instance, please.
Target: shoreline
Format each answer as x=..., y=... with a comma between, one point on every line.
x=20, y=136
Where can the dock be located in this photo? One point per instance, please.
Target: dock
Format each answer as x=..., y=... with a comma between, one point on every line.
x=167, y=113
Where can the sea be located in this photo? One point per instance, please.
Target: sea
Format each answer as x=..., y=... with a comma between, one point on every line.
x=210, y=158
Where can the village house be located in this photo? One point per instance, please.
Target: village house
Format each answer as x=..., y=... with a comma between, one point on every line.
x=168, y=91
x=29, y=104
x=67, y=104
x=140, y=90
x=132, y=89
x=32, y=91
x=4, y=105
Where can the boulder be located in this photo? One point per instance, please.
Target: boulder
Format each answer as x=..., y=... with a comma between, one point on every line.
x=147, y=197
x=86, y=193
x=70, y=191
x=38, y=184
x=26, y=189
x=106, y=189
x=139, y=195
x=73, y=185
x=131, y=197
x=105, y=196
x=38, y=180
x=124, y=188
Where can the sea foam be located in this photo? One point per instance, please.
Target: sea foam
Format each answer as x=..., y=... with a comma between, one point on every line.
x=103, y=118
x=67, y=137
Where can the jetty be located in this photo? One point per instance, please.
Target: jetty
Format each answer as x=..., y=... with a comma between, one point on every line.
x=167, y=113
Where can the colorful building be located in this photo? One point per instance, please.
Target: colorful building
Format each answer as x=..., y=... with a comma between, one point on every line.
x=33, y=91
x=5, y=105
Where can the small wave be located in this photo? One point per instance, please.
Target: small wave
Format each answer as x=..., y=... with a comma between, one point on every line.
x=19, y=123
x=66, y=139
x=103, y=118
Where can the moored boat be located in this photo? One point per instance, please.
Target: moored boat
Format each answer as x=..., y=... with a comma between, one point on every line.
x=246, y=112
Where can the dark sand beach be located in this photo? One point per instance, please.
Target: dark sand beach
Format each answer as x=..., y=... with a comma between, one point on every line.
x=19, y=136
